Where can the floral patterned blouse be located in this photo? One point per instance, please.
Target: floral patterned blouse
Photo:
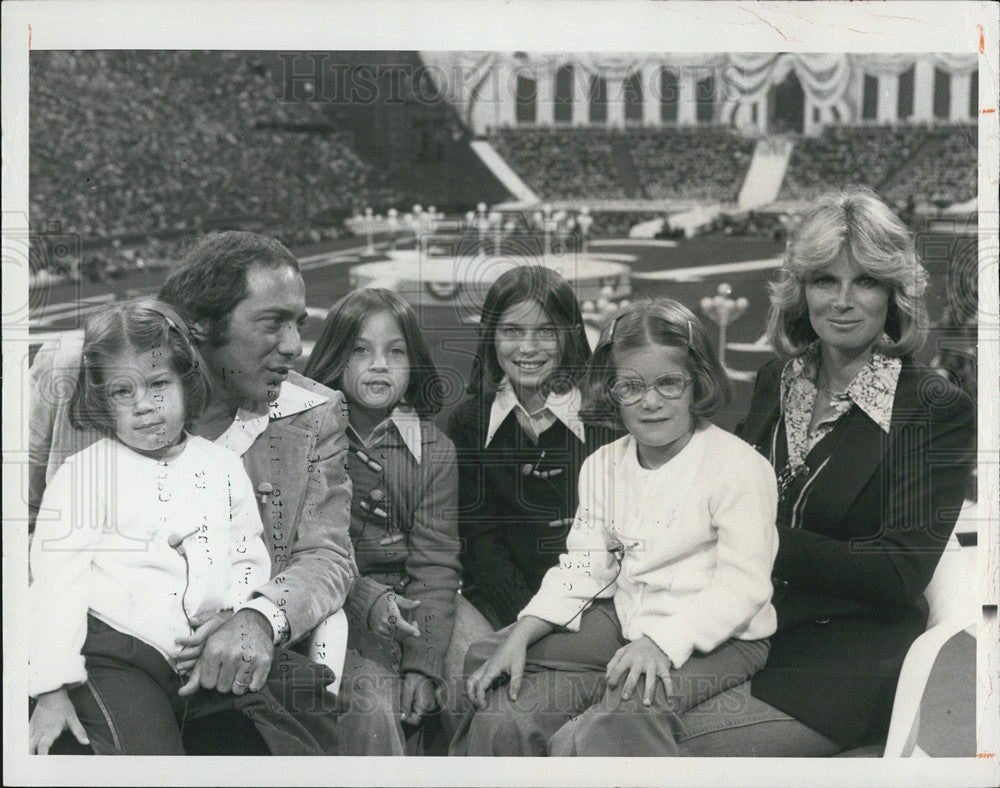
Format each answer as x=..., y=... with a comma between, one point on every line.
x=873, y=390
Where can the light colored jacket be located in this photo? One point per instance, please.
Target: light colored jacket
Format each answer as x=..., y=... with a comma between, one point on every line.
x=103, y=546
x=302, y=456
x=699, y=542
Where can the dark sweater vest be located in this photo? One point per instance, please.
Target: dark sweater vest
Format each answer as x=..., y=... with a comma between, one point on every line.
x=505, y=515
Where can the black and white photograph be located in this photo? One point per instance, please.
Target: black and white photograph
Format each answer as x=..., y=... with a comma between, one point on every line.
x=365, y=364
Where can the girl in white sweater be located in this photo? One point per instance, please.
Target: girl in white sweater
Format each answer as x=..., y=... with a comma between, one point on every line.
x=142, y=538
x=663, y=596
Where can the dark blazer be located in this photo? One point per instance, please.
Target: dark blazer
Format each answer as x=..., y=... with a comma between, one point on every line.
x=504, y=516
x=868, y=531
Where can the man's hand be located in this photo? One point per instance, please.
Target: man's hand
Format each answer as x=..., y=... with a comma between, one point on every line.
x=417, y=697
x=386, y=617
x=191, y=646
x=53, y=713
x=638, y=658
x=236, y=657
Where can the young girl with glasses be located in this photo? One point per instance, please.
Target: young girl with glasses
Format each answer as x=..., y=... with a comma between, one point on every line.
x=662, y=598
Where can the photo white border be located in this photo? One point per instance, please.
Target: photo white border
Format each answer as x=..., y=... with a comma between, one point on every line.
x=525, y=25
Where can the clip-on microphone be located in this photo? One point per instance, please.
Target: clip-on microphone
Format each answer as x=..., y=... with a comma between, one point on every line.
x=618, y=551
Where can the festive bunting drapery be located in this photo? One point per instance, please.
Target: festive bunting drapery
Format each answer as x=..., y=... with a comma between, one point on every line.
x=826, y=78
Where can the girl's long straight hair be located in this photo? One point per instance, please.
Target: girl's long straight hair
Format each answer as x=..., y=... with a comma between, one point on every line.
x=550, y=291
x=340, y=331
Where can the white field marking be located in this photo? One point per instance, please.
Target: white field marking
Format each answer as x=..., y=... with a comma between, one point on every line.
x=330, y=258
x=698, y=273
x=760, y=346
x=633, y=242
x=78, y=309
x=42, y=337
x=66, y=306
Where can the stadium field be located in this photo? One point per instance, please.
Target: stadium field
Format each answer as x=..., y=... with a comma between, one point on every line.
x=657, y=271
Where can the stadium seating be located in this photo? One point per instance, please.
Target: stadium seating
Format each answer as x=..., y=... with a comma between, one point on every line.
x=131, y=145
x=702, y=164
x=193, y=159
x=562, y=163
x=931, y=164
x=706, y=164
x=857, y=155
x=944, y=170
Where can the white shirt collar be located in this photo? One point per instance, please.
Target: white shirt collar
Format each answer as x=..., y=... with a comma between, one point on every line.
x=565, y=407
x=407, y=423
x=251, y=421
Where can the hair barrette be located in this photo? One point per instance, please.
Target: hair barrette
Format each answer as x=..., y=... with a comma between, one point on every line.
x=611, y=328
x=690, y=334
x=183, y=331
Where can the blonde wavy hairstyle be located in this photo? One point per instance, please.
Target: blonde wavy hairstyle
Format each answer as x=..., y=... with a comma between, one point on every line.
x=857, y=221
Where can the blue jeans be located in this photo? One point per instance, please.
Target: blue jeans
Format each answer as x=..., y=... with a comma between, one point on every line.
x=129, y=704
x=734, y=723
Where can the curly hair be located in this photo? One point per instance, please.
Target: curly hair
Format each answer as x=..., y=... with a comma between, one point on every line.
x=858, y=222
x=211, y=279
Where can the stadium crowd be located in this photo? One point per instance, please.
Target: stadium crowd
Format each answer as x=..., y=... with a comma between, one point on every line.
x=119, y=151
x=943, y=171
x=707, y=163
x=696, y=164
x=562, y=162
x=865, y=155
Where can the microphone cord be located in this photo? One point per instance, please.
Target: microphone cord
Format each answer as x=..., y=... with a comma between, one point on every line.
x=177, y=543
x=619, y=553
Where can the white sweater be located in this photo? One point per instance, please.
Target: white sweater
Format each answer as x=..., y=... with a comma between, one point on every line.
x=101, y=545
x=699, y=537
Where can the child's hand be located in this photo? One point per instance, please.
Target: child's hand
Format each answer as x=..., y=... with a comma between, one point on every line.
x=638, y=658
x=192, y=645
x=417, y=697
x=386, y=617
x=508, y=659
x=53, y=713
x=236, y=658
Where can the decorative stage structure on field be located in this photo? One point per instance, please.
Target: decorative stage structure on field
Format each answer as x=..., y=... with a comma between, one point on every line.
x=445, y=276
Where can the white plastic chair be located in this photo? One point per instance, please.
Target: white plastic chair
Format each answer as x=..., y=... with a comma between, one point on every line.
x=952, y=601
x=328, y=646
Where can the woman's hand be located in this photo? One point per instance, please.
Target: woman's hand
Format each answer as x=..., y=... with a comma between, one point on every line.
x=638, y=658
x=386, y=617
x=191, y=645
x=417, y=697
x=508, y=659
x=53, y=713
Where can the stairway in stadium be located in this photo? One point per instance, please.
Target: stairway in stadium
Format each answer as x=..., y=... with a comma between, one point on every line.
x=503, y=172
x=766, y=172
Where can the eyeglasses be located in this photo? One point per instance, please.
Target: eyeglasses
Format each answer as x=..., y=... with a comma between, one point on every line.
x=628, y=391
